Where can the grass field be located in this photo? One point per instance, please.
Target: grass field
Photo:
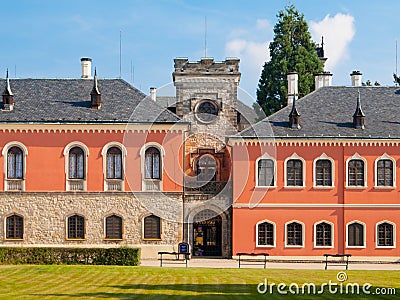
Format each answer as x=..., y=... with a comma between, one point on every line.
x=114, y=282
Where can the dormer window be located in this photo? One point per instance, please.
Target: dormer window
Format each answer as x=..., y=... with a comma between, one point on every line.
x=294, y=116
x=95, y=95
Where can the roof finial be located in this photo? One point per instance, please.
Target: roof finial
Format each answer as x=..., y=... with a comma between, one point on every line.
x=95, y=95
x=359, y=116
x=7, y=89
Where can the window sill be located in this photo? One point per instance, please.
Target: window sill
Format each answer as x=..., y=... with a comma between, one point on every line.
x=323, y=247
x=115, y=240
x=294, y=187
x=385, y=247
x=294, y=246
x=149, y=239
x=75, y=239
x=383, y=187
x=265, y=246
x=323, y=187
x=13, y=240
x=356, y=247
x=265, y=187
x=355, y=187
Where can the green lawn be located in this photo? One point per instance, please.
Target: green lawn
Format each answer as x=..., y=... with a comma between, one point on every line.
x=114, y=282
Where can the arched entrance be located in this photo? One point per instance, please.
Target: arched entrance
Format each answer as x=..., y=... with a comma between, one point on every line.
x=207, y=234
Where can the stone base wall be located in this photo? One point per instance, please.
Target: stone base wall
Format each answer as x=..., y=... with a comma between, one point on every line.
x=45, y=219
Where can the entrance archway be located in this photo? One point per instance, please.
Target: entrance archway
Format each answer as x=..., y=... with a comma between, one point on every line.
x=207, y=234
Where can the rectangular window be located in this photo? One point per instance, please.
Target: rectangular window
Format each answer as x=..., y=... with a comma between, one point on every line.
x=265, y=234
x=356, y=173
x=114, y=227
x=266, y=172
x=294, y=169
x=385, y=234
x=323, y=172
x=294, y=234
x=323, y=234
x=355, y=235
x=385, y=172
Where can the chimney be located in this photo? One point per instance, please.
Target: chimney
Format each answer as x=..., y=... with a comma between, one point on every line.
x=153, y=93
x=86, y=64
x=356, y=77
x=8, y=96
x=323, y=79
x=293, y=86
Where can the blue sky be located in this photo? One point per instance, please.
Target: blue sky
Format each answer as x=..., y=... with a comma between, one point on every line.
x=46, y=39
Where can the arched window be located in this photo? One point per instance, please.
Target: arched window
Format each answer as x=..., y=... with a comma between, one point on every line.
x=356, y=173
x=152, y=163
x=385, y=234
x=114, y=163
x=152, y=227
x=76, y=163
x=323, y=234
x=114, y=227
x=206, y=168
x=14, y=227
x=76, y=227
x=266, y=172
x=294, y=170
x=265, y=234
x=355, y=235
x=15, y=163
x=323, y=172
x=384, y=172
x=294, y=234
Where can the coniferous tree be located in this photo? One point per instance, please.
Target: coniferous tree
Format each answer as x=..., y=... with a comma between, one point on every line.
x=291, y=50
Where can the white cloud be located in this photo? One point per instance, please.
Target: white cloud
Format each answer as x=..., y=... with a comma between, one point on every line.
x=338, y=31
x=251, y=46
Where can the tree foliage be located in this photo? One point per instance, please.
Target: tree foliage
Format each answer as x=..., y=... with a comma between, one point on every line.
x=291, y=50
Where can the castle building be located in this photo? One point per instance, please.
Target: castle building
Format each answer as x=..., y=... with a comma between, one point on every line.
x=320, y=175
x=92, y=162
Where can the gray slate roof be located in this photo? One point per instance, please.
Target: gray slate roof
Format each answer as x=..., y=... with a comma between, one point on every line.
x=328, y=112
x=68, y=100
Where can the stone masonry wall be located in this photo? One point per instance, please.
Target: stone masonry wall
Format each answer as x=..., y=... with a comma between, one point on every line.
x=45, y=217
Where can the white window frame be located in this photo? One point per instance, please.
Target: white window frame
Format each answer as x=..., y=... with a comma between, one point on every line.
x=274, y=233
x=364, y=233
x=356, y=156
x=303, y=233
x=295, y=156
x=394, y=235
x=332, y=235
x=4, y=153
x=323, y=157
x=143, y=167
x=104, y=155
x=265, y=156
x=384, y=156
x=66, y=159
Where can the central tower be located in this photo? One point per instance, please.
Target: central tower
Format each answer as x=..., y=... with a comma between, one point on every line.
x=206, y=96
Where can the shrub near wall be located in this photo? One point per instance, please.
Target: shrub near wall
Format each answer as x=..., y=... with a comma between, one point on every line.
x=123, y=256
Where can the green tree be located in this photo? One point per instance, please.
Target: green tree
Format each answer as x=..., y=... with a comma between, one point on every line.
x=291, y=50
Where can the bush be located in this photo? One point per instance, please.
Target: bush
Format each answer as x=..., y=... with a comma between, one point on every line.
x=123, y=256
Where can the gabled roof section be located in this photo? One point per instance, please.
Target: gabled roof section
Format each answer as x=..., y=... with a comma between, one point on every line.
x=68, y=100
x=328, y=112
